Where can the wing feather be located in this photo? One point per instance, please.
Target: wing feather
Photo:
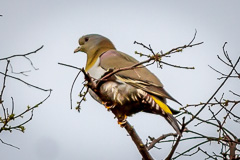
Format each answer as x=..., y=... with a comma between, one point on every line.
x=140, y=78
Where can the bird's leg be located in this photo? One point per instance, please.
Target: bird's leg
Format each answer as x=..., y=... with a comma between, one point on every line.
x=122, y=117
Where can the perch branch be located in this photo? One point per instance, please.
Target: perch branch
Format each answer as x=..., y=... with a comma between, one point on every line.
x=138, y=142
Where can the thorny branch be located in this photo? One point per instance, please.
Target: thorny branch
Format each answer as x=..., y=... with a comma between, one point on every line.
x=6, y=118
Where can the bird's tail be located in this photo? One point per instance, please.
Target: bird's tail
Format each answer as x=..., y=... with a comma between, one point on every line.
x=167, y=113
x=173, y=122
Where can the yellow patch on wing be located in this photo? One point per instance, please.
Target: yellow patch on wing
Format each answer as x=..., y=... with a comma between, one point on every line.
x=162, y=105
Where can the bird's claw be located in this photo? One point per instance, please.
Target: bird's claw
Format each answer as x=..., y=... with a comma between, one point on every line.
x=123, y=122
x=109, y=107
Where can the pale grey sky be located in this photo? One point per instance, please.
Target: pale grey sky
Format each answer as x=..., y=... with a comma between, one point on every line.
x=56, y=131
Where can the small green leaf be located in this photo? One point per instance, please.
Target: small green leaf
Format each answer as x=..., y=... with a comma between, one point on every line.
x=22, y=128
x=11, y=116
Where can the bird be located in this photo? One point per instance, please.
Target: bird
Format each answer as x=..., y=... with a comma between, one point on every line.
x=126, y=92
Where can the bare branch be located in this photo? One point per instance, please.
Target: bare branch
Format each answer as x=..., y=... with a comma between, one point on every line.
x=82, y=94
x=22, y=55
x=195, y=146
x=234, y=93
x=3, y=87
x=194, y=37
x=176, y=66
x=144, y=46
x=154, y=141
x=8, y=113
x=158, y=57
x=214, y=92
x=169, y=157
x=9, y=144
x=35, y=106
x=31, y=85
x=67, y=65
x=22, y=72
x=72, y=87
x=206, y=153
x=138, y=142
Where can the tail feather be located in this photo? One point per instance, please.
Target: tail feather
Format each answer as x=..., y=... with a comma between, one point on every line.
x=173, y=122
x=168, y=112
x=173, y=110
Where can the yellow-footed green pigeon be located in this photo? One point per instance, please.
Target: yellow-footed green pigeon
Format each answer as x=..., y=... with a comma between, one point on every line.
x=129, y=91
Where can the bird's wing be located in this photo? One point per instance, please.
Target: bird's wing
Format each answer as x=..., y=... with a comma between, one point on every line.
x=140, y=78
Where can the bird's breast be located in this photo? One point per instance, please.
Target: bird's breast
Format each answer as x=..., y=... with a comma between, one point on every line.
x=96, y=71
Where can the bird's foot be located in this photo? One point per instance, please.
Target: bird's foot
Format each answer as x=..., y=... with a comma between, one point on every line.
x=109, y=107
x=122, y=122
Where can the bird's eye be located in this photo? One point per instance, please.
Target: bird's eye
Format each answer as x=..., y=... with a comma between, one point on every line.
x=86, y=39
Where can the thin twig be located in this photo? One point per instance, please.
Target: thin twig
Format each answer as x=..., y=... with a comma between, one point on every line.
x=71, y=66
x=12, y=105
x=154, y=141
x=169, y=157
x=199, y=144
x=73, y=86
x=9, y=144
x=83, y=97
x=194, y=37
x=22, y=55
x=123, y=69
x=144, y=46
x=31, y=85
x=234, y=93
x=210, y=123
x=176, y=66
x=31, y=63
x=35, y=106
x=205, y=152
x=3, y=87
x=22, y=72
x=214, y=93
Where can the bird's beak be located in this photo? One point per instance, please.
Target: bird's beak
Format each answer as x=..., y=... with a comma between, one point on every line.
x=78, y=49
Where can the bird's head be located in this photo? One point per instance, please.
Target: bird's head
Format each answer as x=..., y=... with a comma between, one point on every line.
x=93, y=43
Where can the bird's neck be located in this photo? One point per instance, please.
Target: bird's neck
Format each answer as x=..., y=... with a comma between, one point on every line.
x=93, y=56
